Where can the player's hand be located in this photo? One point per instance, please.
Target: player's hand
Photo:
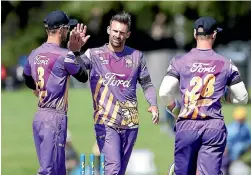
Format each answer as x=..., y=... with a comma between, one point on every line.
x=81, y=29
x=75, y=41
x=155, y=114
x=226, y=97
x=174, y=109
x=36, y=93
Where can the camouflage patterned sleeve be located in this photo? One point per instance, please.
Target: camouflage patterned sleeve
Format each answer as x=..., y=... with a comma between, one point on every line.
x=234, y=76
x=146, y=83
x=70, y=64
x=172, y=69
x=85, y=60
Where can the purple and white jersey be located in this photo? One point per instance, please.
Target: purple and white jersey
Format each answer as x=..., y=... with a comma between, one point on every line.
x=113, y=80
x=51, y=66
x=203, y=76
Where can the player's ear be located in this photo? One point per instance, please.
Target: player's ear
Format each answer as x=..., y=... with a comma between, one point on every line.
x=60, y=31
x=128, y=34
x=214, y=35
x=194, y=33
x=108, y=30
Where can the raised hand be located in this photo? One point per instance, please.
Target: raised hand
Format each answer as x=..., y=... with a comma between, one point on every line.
x=81, y=29
x=75, y=41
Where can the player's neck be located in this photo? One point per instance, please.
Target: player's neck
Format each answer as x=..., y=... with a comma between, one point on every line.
x=115, y=49
x=53, y=39
x=204, y=45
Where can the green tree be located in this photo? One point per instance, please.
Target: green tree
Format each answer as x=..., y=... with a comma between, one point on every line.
x=22, y=41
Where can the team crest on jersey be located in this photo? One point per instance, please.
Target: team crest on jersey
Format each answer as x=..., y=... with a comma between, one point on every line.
x=103, y=61
x=129, y=113
x=96, y=51
x=129, y=62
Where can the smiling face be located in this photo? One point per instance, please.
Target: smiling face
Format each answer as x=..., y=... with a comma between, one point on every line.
x=118, y=33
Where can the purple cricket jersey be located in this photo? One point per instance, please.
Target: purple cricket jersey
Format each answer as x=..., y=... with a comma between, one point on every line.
x=51, y=66
x=113, y=81
x=203, y=76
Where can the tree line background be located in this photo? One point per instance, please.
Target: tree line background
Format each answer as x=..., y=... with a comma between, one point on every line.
x=22, y=23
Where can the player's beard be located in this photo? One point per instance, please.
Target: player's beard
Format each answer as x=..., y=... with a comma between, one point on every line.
x=63, y=41
x=116, y=43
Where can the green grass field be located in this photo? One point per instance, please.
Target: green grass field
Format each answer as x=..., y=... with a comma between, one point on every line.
x=18, y=151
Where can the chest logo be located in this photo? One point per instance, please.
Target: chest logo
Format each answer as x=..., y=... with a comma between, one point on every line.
x=129, y=62
x=103, y=61
x=113, y=79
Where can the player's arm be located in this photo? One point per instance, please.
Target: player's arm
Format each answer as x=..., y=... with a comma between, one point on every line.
x=85, y=60
x=236, y=92
x=74, y=68
x=146, y=84
x=168, y=87
x=148, y=89
x=167, y=92
x=28, y=80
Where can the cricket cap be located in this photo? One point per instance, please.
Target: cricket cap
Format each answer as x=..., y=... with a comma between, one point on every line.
x=206, y=26
x=57, y=19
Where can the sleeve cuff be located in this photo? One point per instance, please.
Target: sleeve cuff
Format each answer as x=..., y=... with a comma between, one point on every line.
x=76, y=53
x=173, y=75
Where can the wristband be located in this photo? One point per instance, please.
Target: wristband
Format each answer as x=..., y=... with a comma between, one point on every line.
x=77, y=53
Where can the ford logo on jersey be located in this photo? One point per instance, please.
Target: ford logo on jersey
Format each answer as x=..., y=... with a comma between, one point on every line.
x=202, y=67
x=111, y=80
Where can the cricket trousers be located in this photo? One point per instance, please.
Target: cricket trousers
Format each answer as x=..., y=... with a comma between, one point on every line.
x=50, y=131
x=117, y=146
x=199, y=145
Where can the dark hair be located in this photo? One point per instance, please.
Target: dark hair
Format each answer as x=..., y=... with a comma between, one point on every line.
x=203, y=37
x=51, y=31
x=123, y=18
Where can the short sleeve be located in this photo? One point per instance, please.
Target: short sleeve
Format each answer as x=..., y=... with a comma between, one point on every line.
x=233, y=76
x=172, y=69
x=71, y=64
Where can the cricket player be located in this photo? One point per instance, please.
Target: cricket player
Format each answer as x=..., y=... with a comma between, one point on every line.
x=201, y=75
x=47, y=72
x=115, y=69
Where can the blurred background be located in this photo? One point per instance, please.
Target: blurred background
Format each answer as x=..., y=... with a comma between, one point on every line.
x=161, y=30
